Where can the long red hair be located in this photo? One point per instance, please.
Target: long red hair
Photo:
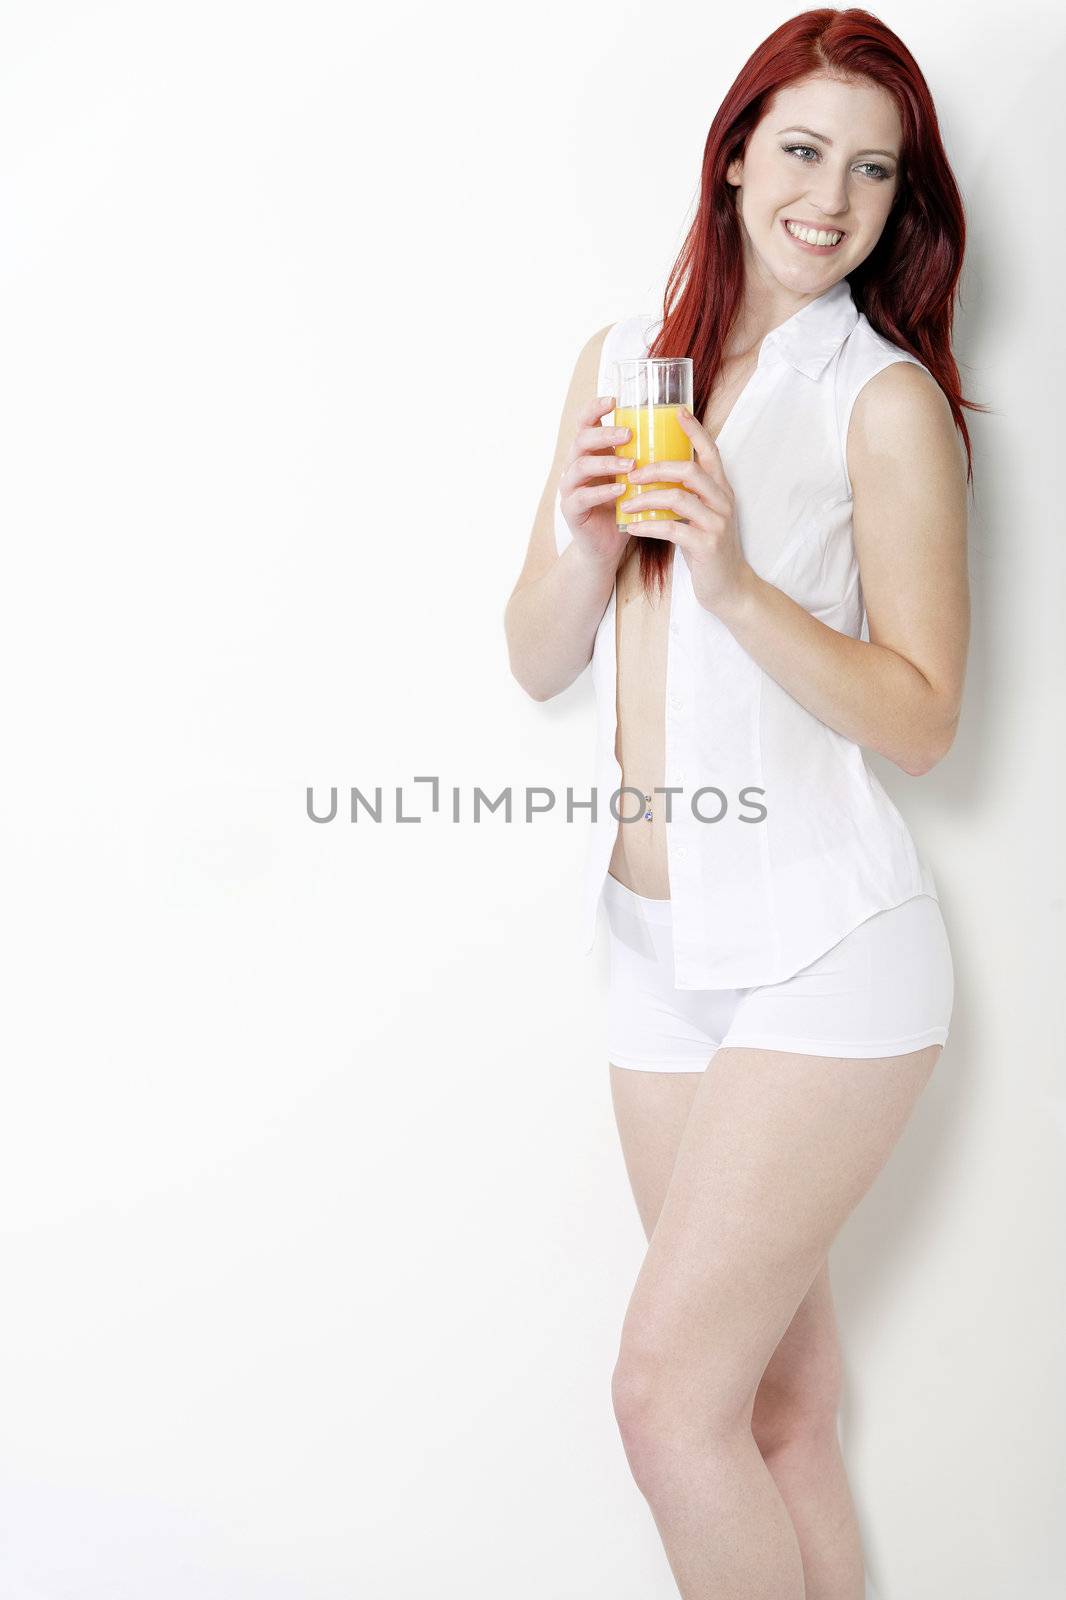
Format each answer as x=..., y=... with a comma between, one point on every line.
x=907, y=284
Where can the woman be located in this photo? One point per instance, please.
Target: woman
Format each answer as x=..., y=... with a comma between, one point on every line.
x=784, y=932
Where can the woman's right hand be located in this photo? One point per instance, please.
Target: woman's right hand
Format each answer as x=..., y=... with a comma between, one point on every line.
x=587, y=491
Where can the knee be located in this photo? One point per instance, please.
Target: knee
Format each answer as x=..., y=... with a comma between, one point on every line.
x=639, y=1397
x=659, y=1423
x=798, y=1415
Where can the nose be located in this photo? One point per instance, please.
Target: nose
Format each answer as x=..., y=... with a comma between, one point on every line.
x=831, y=199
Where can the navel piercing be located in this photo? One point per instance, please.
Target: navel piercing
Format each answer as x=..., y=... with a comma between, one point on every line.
x=647, y=814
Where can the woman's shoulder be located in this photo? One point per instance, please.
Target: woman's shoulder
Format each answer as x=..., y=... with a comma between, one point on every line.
x=628, y=338
x=631, y=335
x=634, y=334
x=867, y=351
x=905, y=399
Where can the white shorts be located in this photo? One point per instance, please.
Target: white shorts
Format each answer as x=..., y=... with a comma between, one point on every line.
x=884, y=989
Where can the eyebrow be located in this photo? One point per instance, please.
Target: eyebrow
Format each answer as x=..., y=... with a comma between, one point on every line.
x=891, y=154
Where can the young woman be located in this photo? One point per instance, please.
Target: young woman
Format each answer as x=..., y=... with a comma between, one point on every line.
x=781, y=980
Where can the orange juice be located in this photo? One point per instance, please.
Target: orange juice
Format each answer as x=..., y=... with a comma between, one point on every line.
x=656, y=435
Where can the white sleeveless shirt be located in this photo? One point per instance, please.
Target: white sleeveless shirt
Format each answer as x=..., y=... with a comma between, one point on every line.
x=755, y=897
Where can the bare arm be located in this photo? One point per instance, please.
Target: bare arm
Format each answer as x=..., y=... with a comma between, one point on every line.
x=901, y=693
x=558, y=600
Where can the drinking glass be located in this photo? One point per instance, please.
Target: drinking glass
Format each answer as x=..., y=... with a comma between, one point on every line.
x=649, y=391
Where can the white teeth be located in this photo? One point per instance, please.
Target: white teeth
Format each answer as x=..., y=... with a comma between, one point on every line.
x=809, y=236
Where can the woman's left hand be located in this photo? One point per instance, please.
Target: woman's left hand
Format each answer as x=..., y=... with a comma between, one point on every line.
x=707, y=534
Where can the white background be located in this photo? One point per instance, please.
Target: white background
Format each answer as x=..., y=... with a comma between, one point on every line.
x=315, y=1236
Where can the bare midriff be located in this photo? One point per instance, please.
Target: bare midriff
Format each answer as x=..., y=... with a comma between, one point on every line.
x=641, y=640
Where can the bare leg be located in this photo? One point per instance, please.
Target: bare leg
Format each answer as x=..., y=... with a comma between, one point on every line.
x=776, y=1152
x=794, y=1422
x=795, y=1426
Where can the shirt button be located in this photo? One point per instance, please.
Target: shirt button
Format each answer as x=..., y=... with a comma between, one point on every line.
x=675, y=701
x=679, y=850
x=674, y=629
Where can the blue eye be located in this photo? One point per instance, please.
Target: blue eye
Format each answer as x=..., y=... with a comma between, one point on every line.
x=871, y=166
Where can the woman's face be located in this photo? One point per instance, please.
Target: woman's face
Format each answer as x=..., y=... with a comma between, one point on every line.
x=842, y=182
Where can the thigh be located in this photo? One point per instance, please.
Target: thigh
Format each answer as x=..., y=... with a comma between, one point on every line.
x=776, y=1151
x=650, y=1110
x=802, y=1379
x=800, y=1389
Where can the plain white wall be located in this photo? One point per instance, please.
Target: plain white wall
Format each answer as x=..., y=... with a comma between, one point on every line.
x=315, y=1235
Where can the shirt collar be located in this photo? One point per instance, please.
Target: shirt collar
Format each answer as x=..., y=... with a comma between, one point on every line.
x=812, y=335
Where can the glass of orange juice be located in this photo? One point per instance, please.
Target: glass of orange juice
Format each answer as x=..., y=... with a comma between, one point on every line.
x=649, y=391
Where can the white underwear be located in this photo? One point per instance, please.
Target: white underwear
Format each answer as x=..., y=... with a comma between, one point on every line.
x=884, y=989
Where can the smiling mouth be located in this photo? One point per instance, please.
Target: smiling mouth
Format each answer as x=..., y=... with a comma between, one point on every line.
x=824, y=239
